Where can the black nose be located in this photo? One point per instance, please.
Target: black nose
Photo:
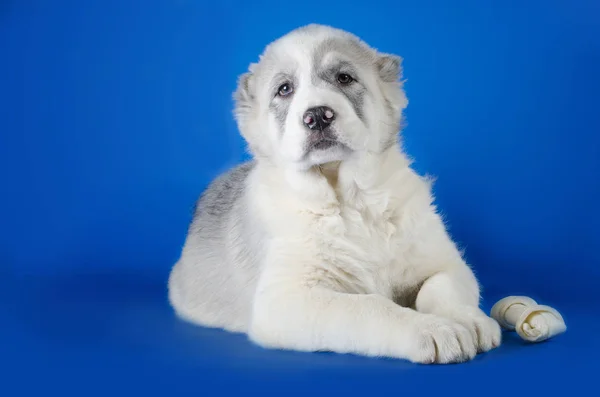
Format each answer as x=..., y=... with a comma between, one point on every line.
x=318, y=118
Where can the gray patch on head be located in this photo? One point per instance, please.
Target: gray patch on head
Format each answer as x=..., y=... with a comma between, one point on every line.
x=327, y=74
x=222, y=194
x=387, y=66
x=354, y=92
x=347, y=45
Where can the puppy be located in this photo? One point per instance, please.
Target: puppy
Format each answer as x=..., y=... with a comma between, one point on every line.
x=327, y=240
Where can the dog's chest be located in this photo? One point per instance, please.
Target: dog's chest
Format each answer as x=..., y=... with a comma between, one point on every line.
x=367, y=251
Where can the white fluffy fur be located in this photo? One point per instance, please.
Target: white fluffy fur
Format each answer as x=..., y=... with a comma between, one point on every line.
x=340, y=250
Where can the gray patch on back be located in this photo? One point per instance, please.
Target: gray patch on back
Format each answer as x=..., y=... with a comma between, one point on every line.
x=220, y=196
x=214, y=280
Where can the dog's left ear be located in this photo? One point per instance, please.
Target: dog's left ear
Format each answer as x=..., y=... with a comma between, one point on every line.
x=390, y=67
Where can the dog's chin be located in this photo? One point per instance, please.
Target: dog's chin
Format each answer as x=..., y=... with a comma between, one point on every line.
x=325, y=151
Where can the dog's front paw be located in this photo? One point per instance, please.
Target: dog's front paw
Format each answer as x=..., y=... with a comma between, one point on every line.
x=484, y=330
x=443, y=341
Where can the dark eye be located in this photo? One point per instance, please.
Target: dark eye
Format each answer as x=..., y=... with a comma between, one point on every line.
x=344, y=78
x=285, y=89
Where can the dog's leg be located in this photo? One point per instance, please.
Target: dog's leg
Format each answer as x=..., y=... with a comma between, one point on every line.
x=291, y=313
x=453, y=291
x=450, y=294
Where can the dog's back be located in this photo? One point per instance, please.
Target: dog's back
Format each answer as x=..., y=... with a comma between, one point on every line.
x=215, y=277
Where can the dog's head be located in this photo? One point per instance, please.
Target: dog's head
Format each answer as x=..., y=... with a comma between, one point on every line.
x=317, y=95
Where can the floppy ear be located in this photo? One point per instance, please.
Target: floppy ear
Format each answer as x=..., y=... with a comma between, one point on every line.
x=390, y=67
x=246, y=111
x=243, y=96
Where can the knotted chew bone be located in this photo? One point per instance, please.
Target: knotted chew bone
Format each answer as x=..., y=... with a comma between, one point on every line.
x=533, y=322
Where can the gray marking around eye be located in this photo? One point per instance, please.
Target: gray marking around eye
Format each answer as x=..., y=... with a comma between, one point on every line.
x=280, y=106
x=354, y=92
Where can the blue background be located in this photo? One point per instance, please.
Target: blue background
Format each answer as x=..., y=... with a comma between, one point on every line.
x=114, y=115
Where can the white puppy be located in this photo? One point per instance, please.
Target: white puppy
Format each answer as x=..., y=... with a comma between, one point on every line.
x=328, y=240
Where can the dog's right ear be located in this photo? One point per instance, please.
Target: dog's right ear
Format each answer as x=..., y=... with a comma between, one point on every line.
x=244, y=96
x=245, y=111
